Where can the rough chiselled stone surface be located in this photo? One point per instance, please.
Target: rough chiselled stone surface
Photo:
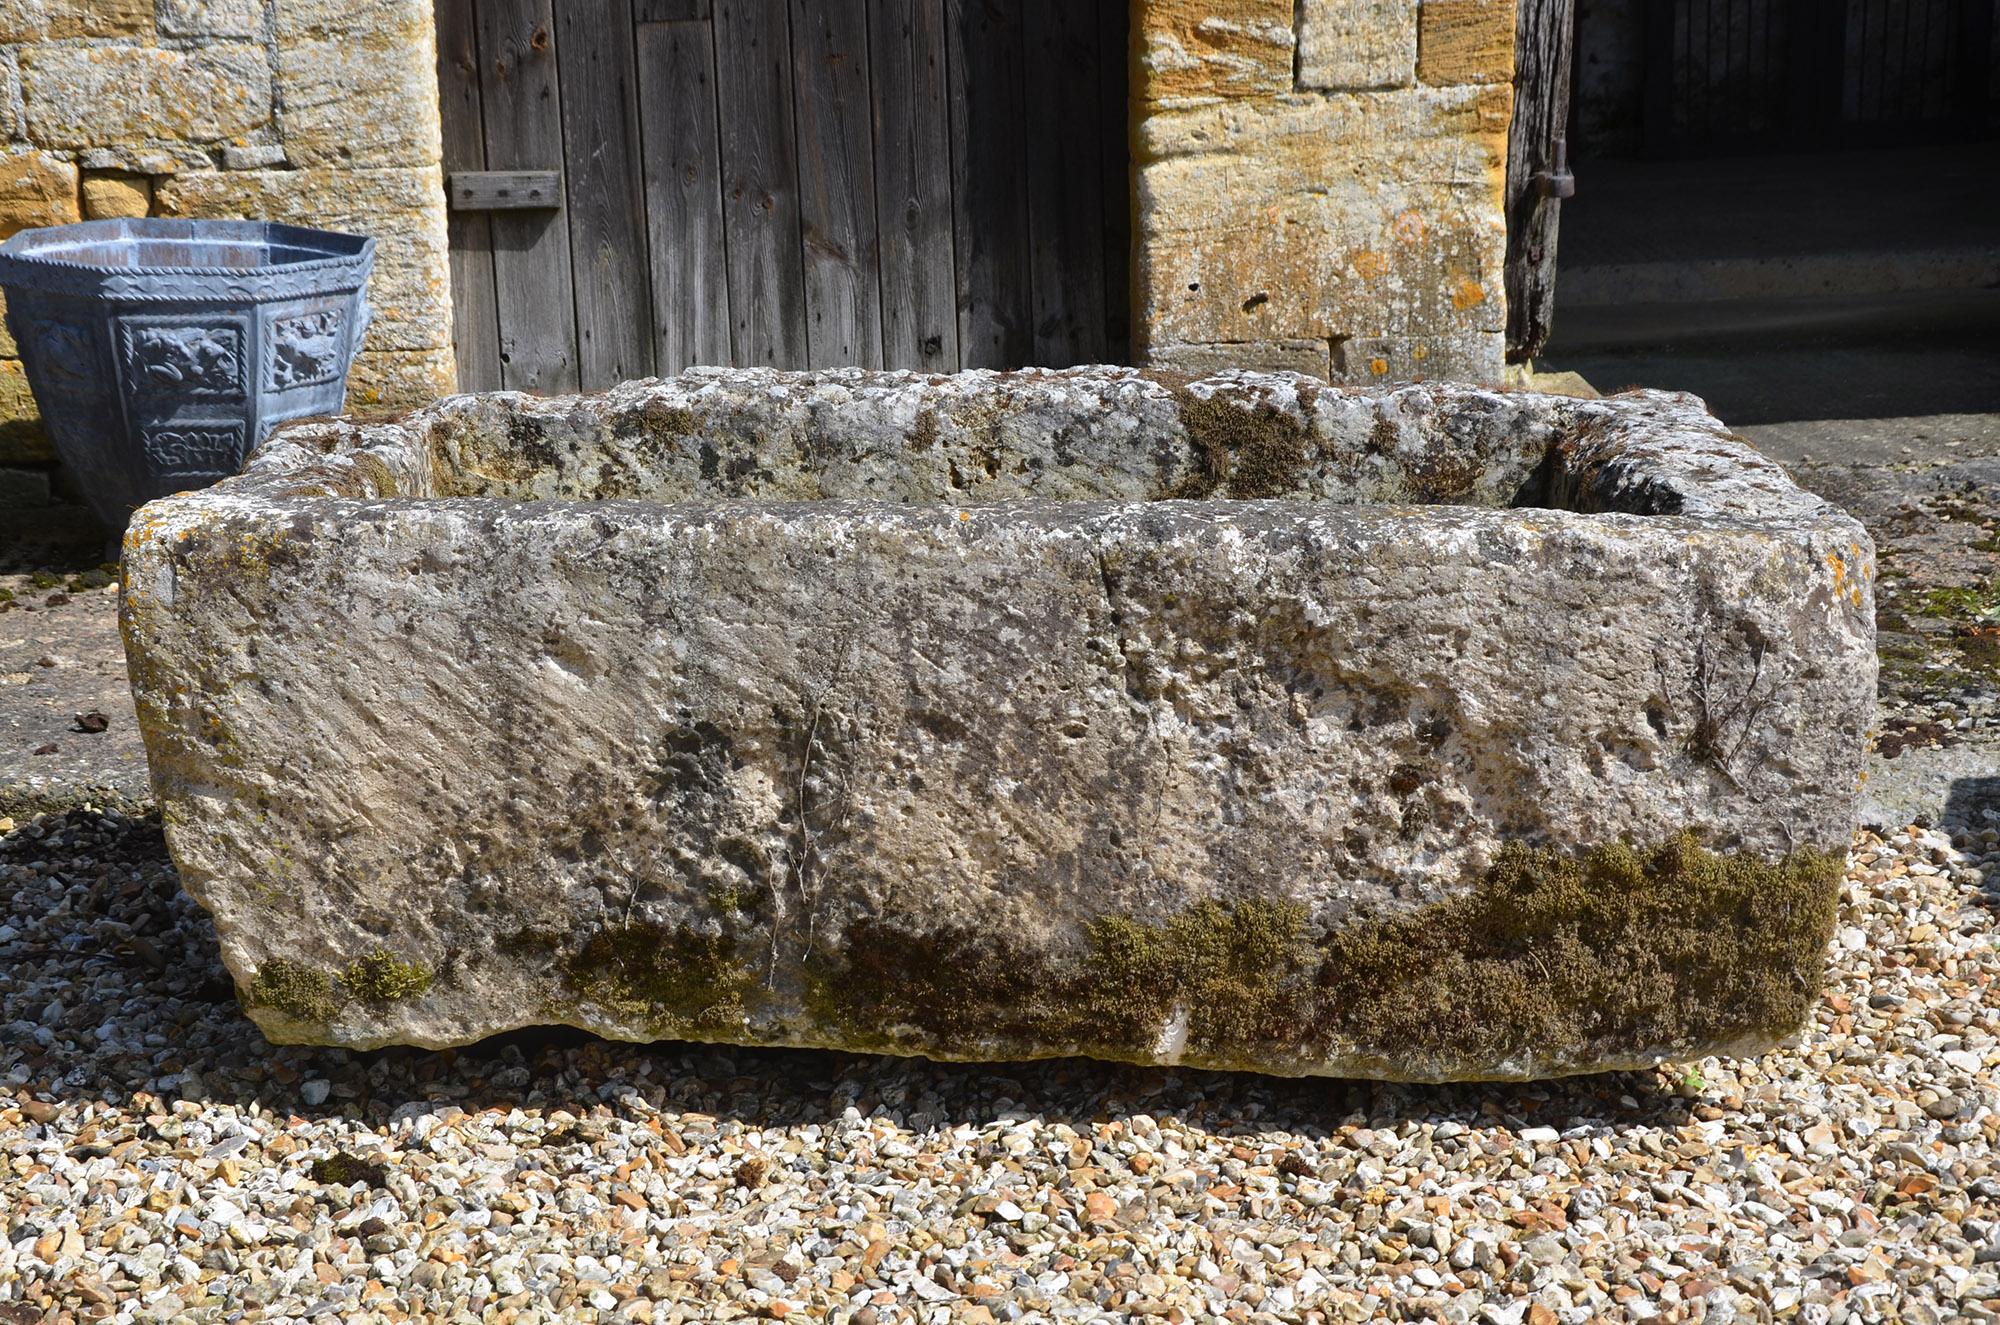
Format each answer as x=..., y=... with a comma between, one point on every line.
x=1244, y=722
x=1197, y=51
x=358, y=94
x=1352, y=45
x=84, y=96
x=36, y=189
x=1311, y=357
x=1465, y=41
x=1322, y=217
x=40, y=20
x=1339, y=203
x=110, y=196
x=213, y=18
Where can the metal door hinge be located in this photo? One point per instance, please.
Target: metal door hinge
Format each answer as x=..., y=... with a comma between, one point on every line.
x=1556, y=182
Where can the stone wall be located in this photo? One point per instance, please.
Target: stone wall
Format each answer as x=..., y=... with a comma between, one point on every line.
x=1320, y=185
x=319, y=112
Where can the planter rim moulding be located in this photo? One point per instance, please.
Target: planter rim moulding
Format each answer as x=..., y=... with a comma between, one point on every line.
x=1425, y=732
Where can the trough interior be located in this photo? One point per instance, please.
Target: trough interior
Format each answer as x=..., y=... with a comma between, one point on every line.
x=1418, y=446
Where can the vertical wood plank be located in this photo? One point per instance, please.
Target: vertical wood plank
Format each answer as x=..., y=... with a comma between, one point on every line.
x=1542, y=45
x=683, y=172
x=1976, y=78
x=760, y=203
x=1114, y=37
x=913, y=185
x=989, y=167
x=606, y=207
x=1065, y=179
x=521, y=104
x=475, y=311
x=843, y=288
x=1661, y=93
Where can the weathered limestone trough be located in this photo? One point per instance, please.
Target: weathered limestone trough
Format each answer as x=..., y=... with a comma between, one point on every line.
x=1423, y=733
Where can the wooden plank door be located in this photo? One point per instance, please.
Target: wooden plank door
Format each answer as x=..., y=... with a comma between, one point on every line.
x=925, y=184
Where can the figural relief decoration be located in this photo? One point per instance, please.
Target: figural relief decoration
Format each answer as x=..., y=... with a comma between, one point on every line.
x=305, y=350
x=189, y=362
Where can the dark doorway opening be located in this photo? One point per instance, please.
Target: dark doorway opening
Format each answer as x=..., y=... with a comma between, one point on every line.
x=1790, y=207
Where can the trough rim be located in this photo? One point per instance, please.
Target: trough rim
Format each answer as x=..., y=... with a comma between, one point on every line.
x=1651, y=447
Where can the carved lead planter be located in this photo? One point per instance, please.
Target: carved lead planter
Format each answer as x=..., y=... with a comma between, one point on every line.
x=160, y=351
x=1426, y=733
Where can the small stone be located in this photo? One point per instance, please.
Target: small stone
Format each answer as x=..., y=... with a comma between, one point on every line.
x=315, y=1090
x=108, y=197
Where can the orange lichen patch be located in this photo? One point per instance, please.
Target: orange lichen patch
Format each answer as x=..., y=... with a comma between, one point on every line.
x=1378, y=366
x=1368, y=264
x=1467, y=294
x=1850, y=582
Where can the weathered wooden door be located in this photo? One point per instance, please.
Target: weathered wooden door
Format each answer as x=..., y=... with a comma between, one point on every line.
x=643, y=185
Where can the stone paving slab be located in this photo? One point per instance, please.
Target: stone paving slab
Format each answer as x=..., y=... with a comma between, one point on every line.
x=60, y=657
x=1937, y=533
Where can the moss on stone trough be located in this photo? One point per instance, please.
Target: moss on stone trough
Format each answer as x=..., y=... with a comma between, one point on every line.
x=682, y=981
x=314, y=997
x=1244, y=453
x=301, y=992
x=1550, y=958
x=381, y=977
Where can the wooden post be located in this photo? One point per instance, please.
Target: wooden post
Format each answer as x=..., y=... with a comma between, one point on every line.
x=1544, y=33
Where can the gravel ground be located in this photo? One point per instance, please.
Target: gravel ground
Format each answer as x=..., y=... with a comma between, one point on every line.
x=159, y=1161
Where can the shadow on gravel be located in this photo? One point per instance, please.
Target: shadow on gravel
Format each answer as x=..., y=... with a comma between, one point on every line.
x=1972, y=806
x=111, y=985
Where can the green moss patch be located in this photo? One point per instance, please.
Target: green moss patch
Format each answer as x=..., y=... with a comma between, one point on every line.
x=1551, y=957
x=381, y=977
x=301, y=992
x=1674, y=946
x=314, y=997
x=679, y=980
x=339, y=1170
x=1246, y=452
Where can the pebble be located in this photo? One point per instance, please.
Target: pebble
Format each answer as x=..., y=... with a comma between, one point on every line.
x=155, y=1165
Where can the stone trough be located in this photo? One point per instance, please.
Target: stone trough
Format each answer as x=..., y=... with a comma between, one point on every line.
x=1423, y=733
